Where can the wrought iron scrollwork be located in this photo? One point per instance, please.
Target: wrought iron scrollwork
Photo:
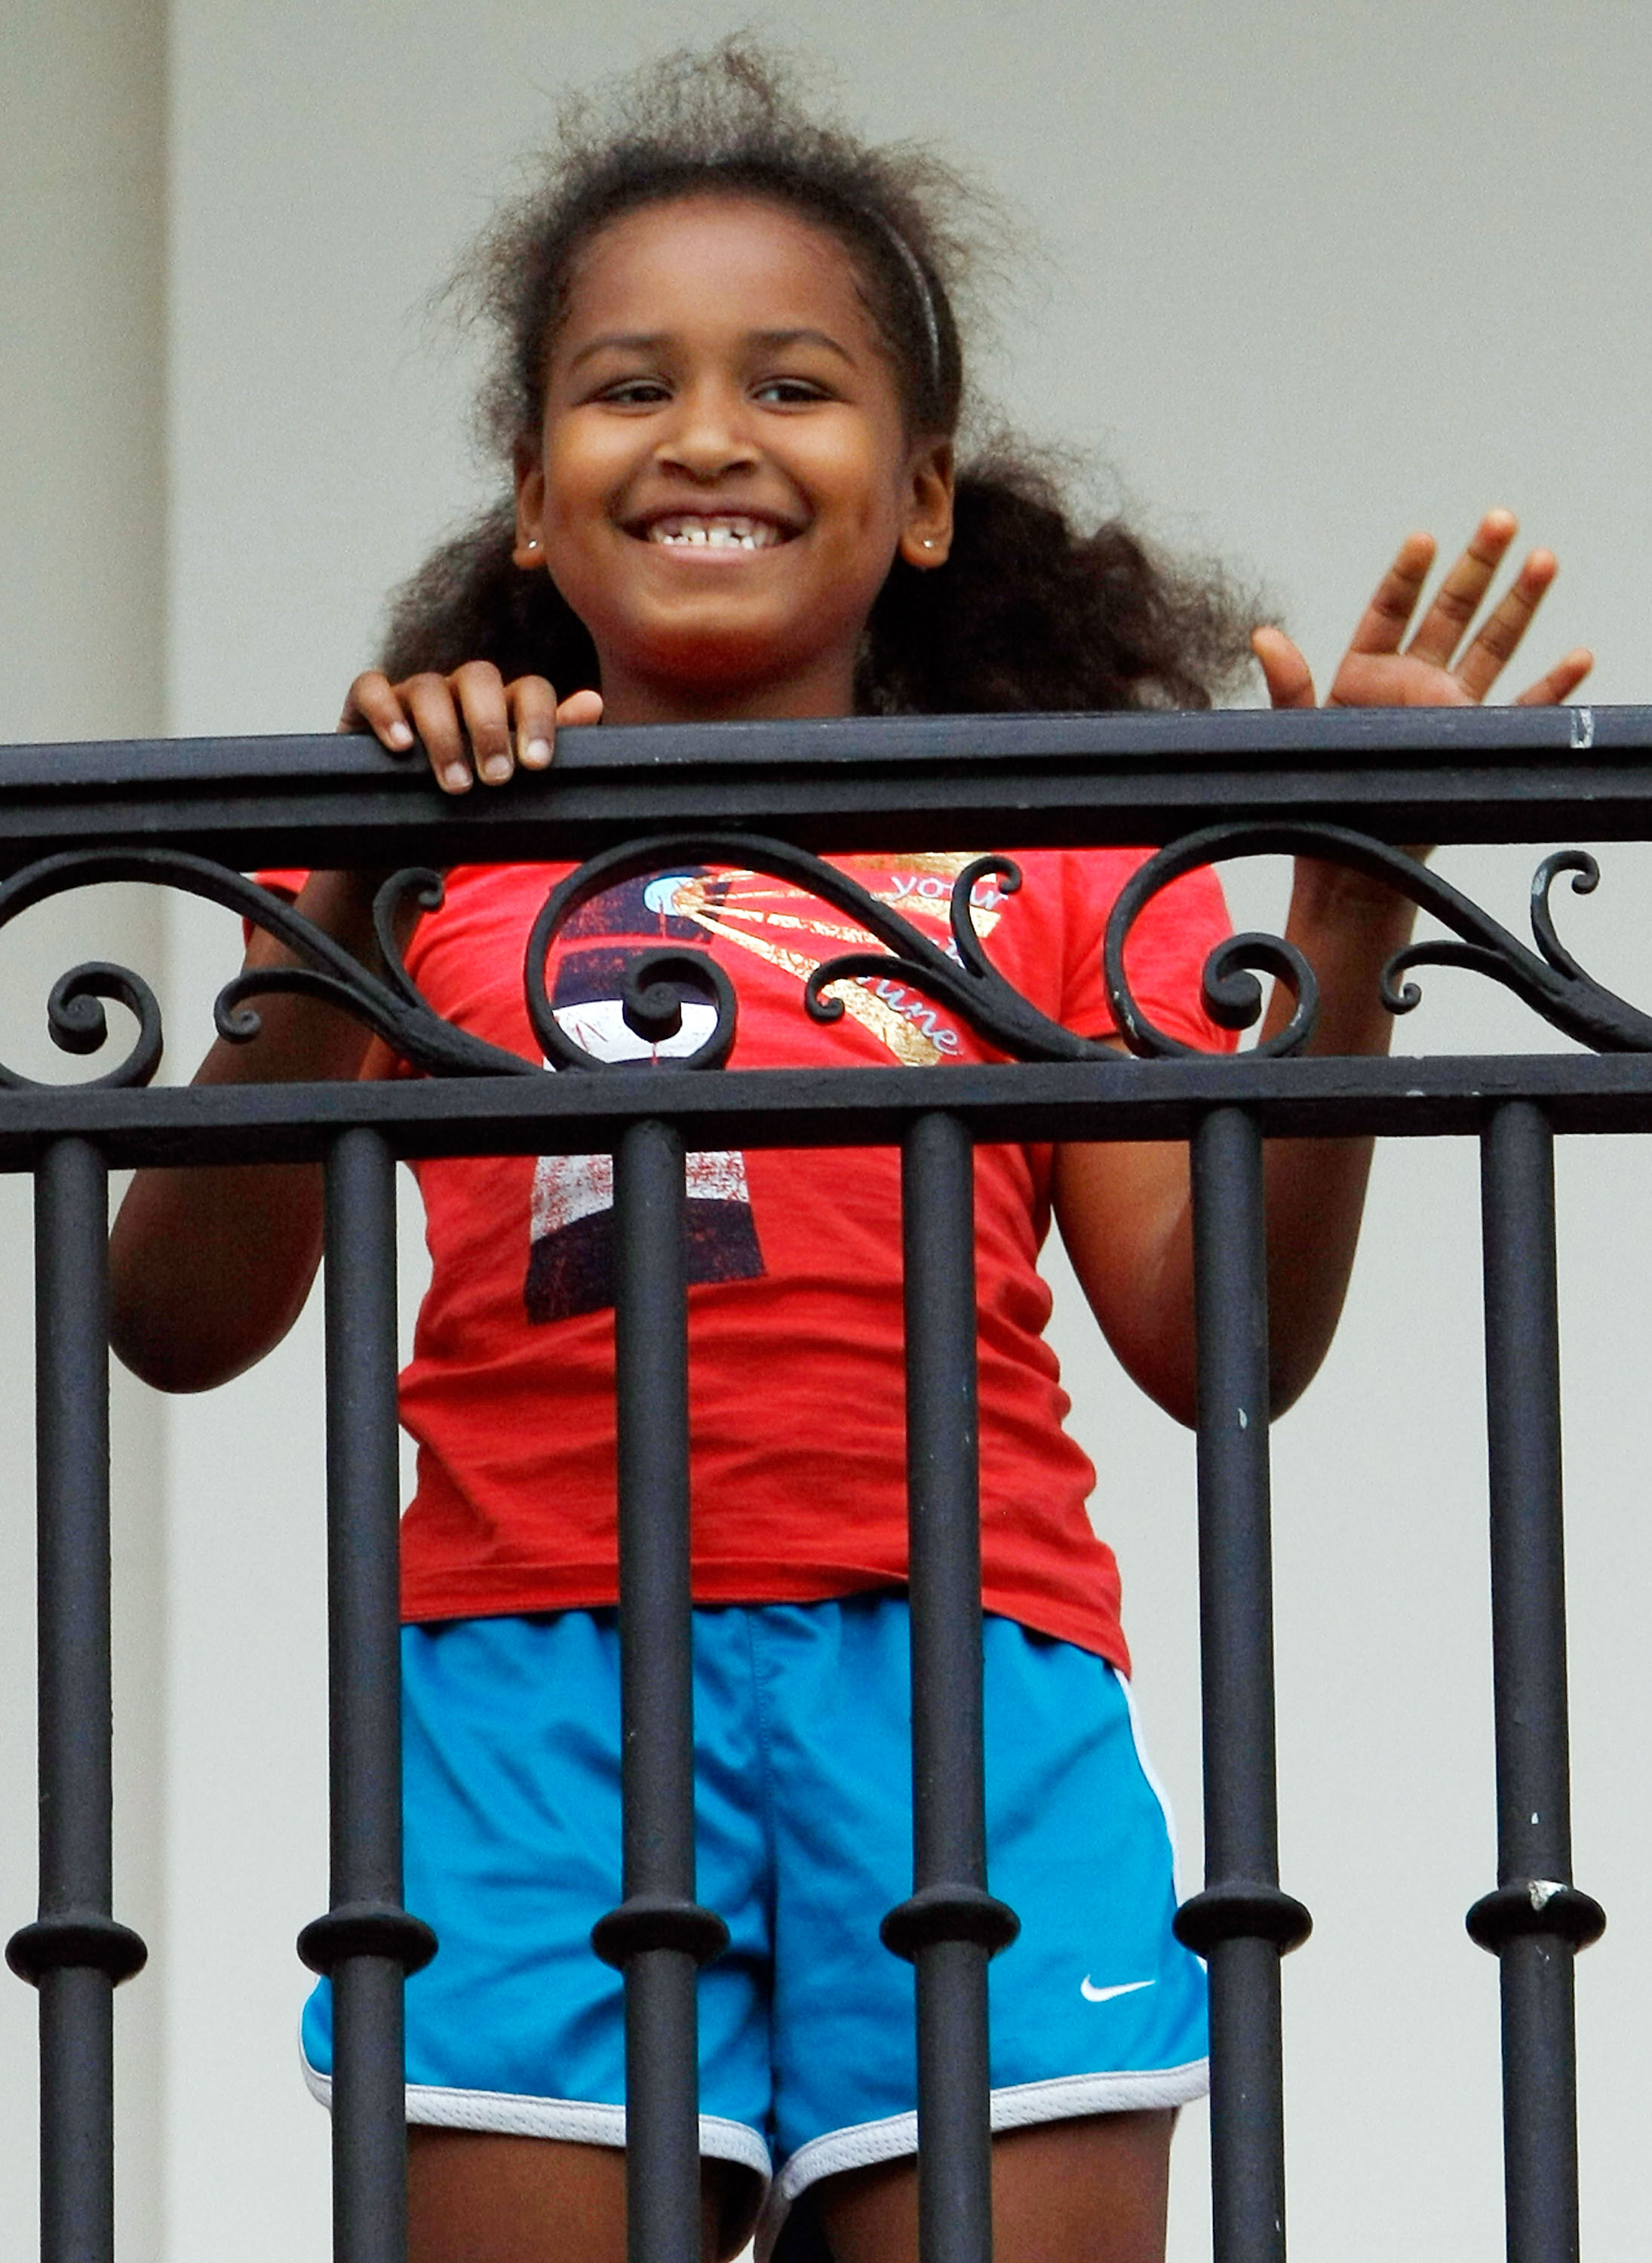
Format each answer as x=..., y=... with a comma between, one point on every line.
x=390, y=1004
x=658, y=983
x=969, y=983
x=77, y=1023
x=1550, y=979
x=972, y=985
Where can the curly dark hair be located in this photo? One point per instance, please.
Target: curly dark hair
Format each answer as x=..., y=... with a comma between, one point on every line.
x=1028, y=612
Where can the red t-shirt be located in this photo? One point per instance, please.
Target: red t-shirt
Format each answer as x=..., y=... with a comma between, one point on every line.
x=795, y=1333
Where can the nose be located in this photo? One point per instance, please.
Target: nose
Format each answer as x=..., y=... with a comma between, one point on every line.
x=709, y=436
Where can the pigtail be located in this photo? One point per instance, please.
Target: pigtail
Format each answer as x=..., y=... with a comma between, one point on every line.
x=471, y=601
x=1028, y=612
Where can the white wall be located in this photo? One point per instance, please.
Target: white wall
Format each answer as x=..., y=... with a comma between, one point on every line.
x=1314, y=277
x=82, y=575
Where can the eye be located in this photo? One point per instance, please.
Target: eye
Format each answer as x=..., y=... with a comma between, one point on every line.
x=636, y=393
x=790, y=392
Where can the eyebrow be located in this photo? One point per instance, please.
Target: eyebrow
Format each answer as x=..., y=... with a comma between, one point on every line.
x=776, y=338
x=619, y=342
x=651, y=341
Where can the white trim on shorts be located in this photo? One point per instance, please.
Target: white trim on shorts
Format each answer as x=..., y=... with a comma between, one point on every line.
x=1155, y=1783
x=1022, y=2105
x=578, y=2120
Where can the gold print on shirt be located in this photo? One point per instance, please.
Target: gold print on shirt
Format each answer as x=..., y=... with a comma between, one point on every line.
x=751, y=910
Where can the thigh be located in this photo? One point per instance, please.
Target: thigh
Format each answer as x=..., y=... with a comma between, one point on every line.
x=514, y=2036
x=476, y=2197
x=1090, y=2191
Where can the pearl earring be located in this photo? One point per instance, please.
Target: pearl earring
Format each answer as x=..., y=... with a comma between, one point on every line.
x=927, y=542
x=534, y=542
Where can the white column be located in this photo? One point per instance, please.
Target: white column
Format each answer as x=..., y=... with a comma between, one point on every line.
x=81, y=655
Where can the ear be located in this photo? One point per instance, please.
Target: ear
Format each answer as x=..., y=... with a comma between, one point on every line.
x=927, y=535
x=529, y=552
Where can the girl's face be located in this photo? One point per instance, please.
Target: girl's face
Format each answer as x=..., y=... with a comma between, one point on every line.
x=724, y=476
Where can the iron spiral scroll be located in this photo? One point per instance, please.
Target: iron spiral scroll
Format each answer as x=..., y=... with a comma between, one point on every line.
x=659, y=983
x=389, y=1004
x=1549, y=979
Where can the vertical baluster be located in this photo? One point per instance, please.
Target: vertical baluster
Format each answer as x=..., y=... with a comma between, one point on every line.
x=659, y=1936
x=75, y=1953
x=1241, y=1922
x=950, y=1925
x=367, y=1941
x=1536, y=1920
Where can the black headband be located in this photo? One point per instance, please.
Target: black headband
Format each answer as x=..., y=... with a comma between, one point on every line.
x=914, y=268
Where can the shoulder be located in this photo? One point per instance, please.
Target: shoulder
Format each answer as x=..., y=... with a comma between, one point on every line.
x=495, y=898
x=1073, y=889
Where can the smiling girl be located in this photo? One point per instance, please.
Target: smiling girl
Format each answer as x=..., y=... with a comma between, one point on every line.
x=729, y=386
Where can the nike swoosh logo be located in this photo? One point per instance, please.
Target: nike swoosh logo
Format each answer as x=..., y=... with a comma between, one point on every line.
x=1093, y=1995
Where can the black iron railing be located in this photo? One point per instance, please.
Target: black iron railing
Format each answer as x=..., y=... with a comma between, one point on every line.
x=193, y=815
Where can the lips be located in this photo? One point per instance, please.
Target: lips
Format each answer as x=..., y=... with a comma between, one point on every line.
x=711, y=530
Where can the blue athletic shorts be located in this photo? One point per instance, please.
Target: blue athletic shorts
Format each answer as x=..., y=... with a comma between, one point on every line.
x=802, y=1723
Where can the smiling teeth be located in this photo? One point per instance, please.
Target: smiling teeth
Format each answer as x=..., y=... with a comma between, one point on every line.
x=715, y=533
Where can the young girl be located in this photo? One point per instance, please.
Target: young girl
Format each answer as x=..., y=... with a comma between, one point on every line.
x=729, y=387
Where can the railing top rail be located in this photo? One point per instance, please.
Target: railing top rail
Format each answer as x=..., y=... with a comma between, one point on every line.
x=1306, y=1098
x=855, y=783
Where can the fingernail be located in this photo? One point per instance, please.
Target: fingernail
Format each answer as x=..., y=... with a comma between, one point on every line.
x=496, y=768
x=456, y=777
x=399, y=736
x=537, y=753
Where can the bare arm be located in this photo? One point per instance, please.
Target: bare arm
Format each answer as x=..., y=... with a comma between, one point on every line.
x=1125, y=1211
x=210, y=1267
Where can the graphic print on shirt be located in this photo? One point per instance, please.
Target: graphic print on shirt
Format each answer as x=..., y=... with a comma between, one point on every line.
x=570, y=1234
x=796, y=932
x=570, y=1265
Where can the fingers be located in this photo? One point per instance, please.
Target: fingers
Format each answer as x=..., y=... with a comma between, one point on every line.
x=1387, y=617
x=473, y=725
x=532, y=705
x=1284, y=669
x=1434, y=668
x=372, y=699
x=1561, y=681
x=484, y=710
x=434, y=703
x=538, y=712
x=1457, y=600
x=1492, y=648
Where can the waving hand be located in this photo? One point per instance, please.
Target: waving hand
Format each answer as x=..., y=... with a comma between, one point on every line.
x=1442, y=665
